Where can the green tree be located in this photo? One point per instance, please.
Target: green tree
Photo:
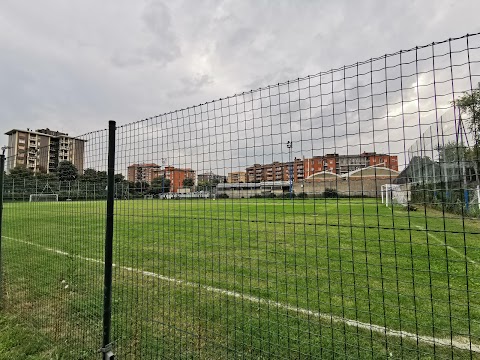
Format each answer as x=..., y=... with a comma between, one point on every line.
x=131, y=187
x=102, y=176
x=203, y=185
x=49, y=176
x=66, y=171
x=89, y=175
x=207, y=184
x=141, y=187
x=469, y=104
x=188, y=182
x=460, y=156
x=160, y=185
x=452, y=152
x=21, y=172
x=119, y=178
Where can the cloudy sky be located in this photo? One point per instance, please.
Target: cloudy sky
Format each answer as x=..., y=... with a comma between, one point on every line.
x=74, y=65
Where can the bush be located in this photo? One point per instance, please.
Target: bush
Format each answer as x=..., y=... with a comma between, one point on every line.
x=222, y=196
x=263, y=196
x=302, y=195
x=451, y=199
x=409, y=207
x=330, y=193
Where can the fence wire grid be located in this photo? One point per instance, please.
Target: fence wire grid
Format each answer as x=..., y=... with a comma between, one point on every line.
x=331, y=216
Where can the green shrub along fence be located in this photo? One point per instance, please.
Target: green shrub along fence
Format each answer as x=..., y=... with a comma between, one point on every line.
x=21, y=189
x=455, y=199
x=141, y=259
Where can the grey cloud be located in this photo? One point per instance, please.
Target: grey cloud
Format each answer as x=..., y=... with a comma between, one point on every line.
x=57, y=72
x=163, y=47
x=157, y=44
x=191, y=86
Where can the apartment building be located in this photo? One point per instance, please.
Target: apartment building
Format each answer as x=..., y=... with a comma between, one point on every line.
x=143, y=172
x=303, y=168
x=344, y=164
x=237, y=177
x=211, y=177
x=275, y=171
x=177, y=176
x=43, y=149
x=148, y=172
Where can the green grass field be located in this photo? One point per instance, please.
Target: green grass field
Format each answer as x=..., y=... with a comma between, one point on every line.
x=256, y=278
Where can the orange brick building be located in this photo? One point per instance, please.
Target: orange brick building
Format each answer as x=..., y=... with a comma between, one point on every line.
x=303, y=168
x=143, y=172
x=276, y=171
x=177, y=176
x=343, y=164
x=148, y=172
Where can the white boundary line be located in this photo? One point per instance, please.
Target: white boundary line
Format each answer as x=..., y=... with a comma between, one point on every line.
x=333, y=318
x=441, y=242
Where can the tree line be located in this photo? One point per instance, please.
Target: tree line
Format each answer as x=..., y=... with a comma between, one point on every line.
x=66, y=181
x=66, y=171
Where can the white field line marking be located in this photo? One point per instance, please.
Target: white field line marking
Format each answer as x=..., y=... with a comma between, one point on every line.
x=333, y=318
x=448, y=246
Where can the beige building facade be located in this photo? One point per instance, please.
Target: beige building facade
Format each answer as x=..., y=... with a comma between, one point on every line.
x=42, y=150
x=237, y=177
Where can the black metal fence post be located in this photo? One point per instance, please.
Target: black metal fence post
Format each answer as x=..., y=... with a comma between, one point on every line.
x=107, y=296
x=2, y=170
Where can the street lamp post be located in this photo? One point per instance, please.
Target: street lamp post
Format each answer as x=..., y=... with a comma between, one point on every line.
x=290, y=170
x=164, y=160
x=140, y=176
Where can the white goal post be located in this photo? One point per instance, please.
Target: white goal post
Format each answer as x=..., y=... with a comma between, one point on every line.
x=394, y=194
x=43, y=197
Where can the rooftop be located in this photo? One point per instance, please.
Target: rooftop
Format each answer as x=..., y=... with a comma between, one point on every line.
x=43, y=132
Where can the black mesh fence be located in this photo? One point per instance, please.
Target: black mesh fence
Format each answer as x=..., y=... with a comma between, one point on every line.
x=53, y=237
x=332, y=216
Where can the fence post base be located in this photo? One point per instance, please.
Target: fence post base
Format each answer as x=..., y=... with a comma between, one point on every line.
x=107, y=352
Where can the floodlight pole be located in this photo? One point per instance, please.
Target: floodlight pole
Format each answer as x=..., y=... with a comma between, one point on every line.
x=290, y=170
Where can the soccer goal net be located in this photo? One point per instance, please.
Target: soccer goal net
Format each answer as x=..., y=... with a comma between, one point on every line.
x=43, y=197
x=394, y=194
